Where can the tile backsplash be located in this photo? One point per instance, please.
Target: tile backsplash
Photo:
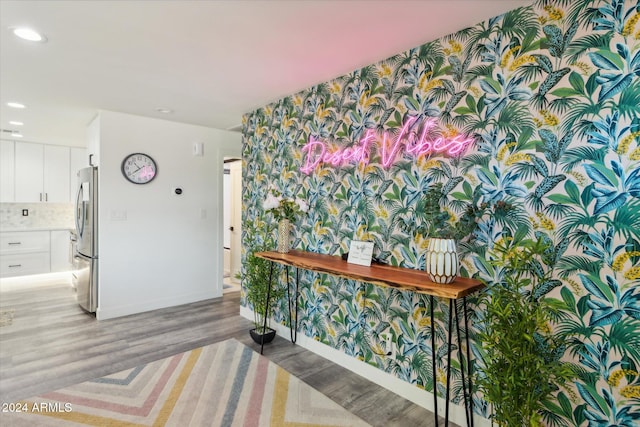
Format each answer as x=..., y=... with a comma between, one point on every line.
x=40, y=215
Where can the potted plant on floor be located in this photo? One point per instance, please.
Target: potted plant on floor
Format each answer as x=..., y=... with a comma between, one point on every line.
x=255, y=278
x=520, y=353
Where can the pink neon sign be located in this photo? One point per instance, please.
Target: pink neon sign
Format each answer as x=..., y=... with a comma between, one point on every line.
x=415, y=144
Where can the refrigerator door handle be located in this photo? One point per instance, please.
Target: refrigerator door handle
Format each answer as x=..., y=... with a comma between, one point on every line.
x=80, y=214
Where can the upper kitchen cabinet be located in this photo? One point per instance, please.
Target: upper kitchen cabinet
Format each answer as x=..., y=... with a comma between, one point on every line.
x=7, y=183
x=56, y=174
x=93, y=142
x=29, y=172
x=41, y=173
x=79, y=160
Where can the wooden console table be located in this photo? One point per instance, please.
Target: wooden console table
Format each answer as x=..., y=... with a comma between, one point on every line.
x=396, y=277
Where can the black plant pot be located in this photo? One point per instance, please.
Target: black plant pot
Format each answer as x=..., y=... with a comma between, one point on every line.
x=263, y=338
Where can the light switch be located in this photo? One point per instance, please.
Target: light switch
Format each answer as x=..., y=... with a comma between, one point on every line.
x=118, y=215
x=198, y=149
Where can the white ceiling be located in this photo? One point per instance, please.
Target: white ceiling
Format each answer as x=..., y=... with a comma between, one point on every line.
x=208, y=61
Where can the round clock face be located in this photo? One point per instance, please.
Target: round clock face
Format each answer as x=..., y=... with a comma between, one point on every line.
x=139, y=168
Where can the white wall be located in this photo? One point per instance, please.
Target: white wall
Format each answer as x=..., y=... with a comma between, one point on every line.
x=157, y=249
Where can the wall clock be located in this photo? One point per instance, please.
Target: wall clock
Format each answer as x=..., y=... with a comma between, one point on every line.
x=139, y=168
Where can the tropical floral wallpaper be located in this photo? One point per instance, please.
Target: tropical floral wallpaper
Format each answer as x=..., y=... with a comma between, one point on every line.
x=545, y=101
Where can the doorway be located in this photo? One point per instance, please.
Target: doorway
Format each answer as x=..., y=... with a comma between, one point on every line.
x=232, y=222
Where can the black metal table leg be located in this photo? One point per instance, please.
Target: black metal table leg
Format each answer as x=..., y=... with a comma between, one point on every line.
x=295, y=327
x=469, y=372
x=266, y=309
x=289, y=303
x=464, y=382
x=446, y=408
x=433, y=363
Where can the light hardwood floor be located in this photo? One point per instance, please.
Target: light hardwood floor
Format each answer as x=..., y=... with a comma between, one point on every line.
x=52, y=343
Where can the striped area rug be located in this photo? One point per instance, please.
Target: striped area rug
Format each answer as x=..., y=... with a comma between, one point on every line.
x=224, y=384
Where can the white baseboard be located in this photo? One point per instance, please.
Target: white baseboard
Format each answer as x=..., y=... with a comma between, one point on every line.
x=392, y=383
x=103, y=313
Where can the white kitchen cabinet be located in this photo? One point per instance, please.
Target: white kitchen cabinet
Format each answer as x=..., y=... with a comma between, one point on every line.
x=17, y=242
x=41, y=173
x=56, y=174
x=29, y=172
x=93, y=142
x=34, y=252
x=24, y=252
x=7, y=170
x=24, y=264
x=60, y=251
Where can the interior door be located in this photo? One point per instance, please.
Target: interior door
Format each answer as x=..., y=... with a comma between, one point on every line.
x=235, y=170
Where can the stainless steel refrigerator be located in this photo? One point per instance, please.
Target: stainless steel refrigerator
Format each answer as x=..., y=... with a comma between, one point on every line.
x=85, y=258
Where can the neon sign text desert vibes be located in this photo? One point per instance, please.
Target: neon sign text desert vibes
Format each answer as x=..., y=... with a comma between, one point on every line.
x=416, y=144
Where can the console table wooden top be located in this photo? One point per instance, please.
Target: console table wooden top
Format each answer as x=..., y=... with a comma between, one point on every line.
x=384, y=275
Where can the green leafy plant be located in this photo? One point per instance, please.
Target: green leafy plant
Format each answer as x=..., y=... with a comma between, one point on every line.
x=520, y=353
x=284, y=207
x=255, y=273
x=435, y=221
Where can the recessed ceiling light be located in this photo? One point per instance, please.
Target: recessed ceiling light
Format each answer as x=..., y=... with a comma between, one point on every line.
x=16, y=105
x=16, y=134
x=164, y=110
x=15, y=123
x=29, y=34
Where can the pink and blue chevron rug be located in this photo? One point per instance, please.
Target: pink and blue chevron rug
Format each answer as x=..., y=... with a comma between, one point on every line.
x=224, y=384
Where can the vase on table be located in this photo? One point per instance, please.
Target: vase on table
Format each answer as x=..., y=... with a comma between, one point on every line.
x=284, y=231
x=442, y=260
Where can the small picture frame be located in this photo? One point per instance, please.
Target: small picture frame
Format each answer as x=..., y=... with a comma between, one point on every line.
x=360, y=252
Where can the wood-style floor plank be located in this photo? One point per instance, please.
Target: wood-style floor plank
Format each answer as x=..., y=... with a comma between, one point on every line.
x=52, y=344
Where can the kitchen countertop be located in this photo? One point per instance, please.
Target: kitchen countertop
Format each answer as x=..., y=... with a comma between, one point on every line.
x=16, y=229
